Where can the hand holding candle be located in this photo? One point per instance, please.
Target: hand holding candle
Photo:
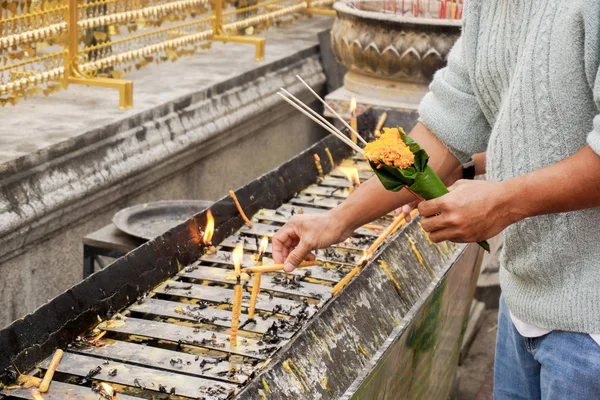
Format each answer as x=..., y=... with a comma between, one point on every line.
x=399, y=162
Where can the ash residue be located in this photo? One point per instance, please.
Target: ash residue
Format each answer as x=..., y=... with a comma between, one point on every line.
x=91, y=373
x=271, y=335
x=287, y=282
x=276, y=309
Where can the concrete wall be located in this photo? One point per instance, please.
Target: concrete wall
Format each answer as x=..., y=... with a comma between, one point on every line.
x=49, y=266
x=195, y=147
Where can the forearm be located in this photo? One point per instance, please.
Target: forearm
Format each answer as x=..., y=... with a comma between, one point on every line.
x=368, y=202
x=371, y=200
x=569, y=185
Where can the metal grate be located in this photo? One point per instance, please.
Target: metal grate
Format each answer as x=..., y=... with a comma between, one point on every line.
x=174, y=342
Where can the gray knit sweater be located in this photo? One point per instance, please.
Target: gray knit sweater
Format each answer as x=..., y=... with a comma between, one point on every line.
x=523, y=84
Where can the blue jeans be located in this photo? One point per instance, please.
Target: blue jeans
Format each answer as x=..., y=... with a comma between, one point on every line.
x=557, y=366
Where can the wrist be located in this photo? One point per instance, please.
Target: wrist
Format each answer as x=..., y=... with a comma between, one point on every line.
x=514, y=201
x=340, y=222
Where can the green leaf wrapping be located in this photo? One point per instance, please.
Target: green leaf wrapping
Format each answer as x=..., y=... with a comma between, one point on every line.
x=420, y=178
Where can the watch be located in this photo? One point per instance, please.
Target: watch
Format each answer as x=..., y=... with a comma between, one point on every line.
x=469, y=169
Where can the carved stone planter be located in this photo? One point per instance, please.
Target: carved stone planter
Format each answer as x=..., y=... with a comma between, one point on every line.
x=385, y=52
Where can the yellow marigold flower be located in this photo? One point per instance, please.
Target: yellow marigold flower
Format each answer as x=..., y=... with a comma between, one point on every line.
x=390, y=149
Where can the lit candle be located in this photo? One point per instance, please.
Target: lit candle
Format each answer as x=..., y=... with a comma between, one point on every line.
x=352, y=176
x=210, y=228
x=353, y=123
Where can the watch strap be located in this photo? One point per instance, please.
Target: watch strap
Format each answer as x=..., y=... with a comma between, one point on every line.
x=469, y=169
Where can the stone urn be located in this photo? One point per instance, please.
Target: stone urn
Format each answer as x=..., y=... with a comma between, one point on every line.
x=387, y=54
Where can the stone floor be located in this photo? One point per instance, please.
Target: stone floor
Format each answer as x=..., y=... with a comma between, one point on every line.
x=476, y=375
x=39, y=122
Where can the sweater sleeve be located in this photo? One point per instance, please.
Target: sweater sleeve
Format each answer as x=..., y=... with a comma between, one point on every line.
x=451, y=111
x=593, y=137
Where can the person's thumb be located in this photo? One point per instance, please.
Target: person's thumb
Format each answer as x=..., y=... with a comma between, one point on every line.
x=296, y=257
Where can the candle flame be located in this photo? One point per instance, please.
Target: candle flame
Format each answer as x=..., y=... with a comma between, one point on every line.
x=352, y=105
x=36, y=394
x=363, y=260
x=351, y=174
x=264, y=243
x=237, y=257
x=210, y=228
x=109, y=390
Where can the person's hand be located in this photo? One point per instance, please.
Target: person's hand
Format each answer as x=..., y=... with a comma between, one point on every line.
x=473, y=211
x=302, y=234
x=406, y=210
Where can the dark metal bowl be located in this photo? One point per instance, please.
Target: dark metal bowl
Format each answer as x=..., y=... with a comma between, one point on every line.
x=150, y=220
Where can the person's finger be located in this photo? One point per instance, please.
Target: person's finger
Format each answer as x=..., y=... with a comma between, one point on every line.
x=310, y=257
x=435, y=223
x=285, y=251
x=296, y=256
x=281, y=241
x=450, y=234
x=430, y=207
x=407, y=209
x=440, y=235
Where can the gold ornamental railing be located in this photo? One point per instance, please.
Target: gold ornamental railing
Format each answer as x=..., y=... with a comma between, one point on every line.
x=45, y=45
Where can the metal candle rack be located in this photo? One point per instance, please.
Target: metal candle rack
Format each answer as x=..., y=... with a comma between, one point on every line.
x=170, y=337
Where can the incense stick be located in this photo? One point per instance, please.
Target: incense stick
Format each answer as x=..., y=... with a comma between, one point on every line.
x=331, y=109
x=338, y=134
x=319, y=116
x=420, y=198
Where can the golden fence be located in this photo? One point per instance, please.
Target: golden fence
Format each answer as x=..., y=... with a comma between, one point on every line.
x=45, y=45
